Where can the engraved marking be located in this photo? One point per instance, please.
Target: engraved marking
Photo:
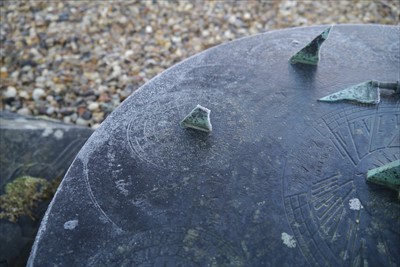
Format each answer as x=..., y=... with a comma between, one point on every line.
x=329, y=213
x=340, y=149
x=368, y=125
x=395, y=142
x=360, y=259
x=322, y=200
x=353, y=248
x=68, y=153
x=360, y=137
x=156, y=140
x=340, y=137
x=329, y=210
x=341, y=216
x=94, y=200
x=326, y=203
x=385, y=155
x=321, y=187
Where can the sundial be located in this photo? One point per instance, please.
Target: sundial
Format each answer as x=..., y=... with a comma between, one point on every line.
x=279, y=181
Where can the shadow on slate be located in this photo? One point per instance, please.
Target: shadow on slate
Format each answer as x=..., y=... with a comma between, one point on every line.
x=33, y=148
x=280, y=180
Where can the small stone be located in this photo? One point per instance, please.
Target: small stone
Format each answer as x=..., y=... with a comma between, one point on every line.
x=50, y=111
x=104, y=97
x=50, y=98
x=24, y=112
x=95, y=126
x=67, y=119
x=63, y=17
x=66, y=111
x=23, y=94
x=11, y=92
x=149, y=29
x=74, y=117
x=81, y=110
x=28, y=62
x=87, y=115
x=247, y=16
x=93, y=106
x=15, y=74
x=176, y=39
x=40, y=80
x=115, y=100
x=128, y=53
x=98, y=116
x=102, y=89
x=82, y=122
x=38, y=93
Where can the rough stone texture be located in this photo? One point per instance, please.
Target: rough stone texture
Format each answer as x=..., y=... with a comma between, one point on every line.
x=84, y=52
x=37, y=148
x=280, y=181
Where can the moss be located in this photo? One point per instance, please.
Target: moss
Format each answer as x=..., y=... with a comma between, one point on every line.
x=23, y=195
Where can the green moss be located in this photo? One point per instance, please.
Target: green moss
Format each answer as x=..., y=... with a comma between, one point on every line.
x=23, y=194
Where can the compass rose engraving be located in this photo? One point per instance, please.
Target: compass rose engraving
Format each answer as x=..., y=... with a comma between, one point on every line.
x=337, y=218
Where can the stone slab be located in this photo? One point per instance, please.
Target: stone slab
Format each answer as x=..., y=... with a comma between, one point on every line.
x=278, y=182
x=37, y=148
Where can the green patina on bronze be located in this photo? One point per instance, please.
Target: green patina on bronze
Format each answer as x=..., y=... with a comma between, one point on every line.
x=367, y=92
x=199, y=119
x=23, y=194
x=310, y=53
x=387, y=175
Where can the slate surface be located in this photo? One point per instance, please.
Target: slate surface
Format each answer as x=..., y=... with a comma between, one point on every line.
x=37, y=148
x=279, y=182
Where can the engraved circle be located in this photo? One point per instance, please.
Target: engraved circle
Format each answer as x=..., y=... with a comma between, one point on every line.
x=156, y=137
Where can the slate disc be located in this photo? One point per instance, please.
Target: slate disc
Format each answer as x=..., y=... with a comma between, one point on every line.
x=280, y=181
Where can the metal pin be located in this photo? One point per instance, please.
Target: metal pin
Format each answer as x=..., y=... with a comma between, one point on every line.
x=310, y=53
x=387, y=175
x=199, y=119
x=367, y=92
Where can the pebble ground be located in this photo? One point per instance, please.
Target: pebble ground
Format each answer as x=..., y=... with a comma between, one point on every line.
x=76, y=61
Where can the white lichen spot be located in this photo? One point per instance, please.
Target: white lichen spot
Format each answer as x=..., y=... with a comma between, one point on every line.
x=381, y=248
x=58, y=134
x=48, y=131
x=355, y=204
x=121, y=184
x=70, y=225
x=288, y=240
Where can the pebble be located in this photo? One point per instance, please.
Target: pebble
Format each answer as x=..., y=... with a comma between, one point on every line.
x=93, y=106
x=82, y=122
x=95, y=126
x=24, y=112
x=87, y=115
x=11, y=92
x=38, y=93
x=72, y=54
x=67, y=119
x=23, y=95
x=50, y=111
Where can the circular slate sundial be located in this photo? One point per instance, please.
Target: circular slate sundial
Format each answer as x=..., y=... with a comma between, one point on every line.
x=280, y=181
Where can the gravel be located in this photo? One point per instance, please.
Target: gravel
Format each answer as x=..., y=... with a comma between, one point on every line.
x=76, y=61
